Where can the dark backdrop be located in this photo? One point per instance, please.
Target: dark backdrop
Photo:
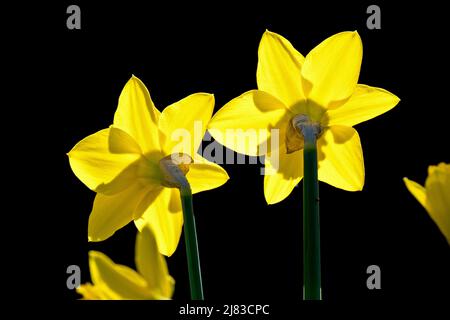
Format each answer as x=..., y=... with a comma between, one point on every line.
x=251, y=251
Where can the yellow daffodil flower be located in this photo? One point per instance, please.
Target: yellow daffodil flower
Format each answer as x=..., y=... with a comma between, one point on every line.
x=321, y=86
x=118, y=282
x=435, y=196
x=124, y=164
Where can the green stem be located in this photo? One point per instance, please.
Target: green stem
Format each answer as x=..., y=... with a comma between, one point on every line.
x=311, y=225
x=190, y=236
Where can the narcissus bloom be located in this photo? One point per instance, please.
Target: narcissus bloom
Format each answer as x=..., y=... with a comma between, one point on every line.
x=118, y=282
x=322, y=86
x=435, y=196
x=125, y=164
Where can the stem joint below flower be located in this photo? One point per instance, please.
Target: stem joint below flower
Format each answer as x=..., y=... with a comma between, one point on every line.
x=299, y=127
x=174, y=168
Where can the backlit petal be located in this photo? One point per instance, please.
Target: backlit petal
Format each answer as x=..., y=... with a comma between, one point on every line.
x=244, y=123
x=417, y=191
x=183, y=124
x=91, y=292
x=119, y=281
x=137, y=115
x=331, y=70
x=437, y=188
x=152, y=265
x=112, y=212
x=340, y=157
x=282, y=173
x=205, y=175
x=279, y=67
x=105, y=161
x=365, y=103
x=166, y=220
x=149, y=197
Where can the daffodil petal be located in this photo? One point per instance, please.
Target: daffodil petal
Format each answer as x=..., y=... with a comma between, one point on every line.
x=183, y=124
x=279, y=67
x=365, y=103
x=152, y=265
x=112, y=212
x=244, y=124
x=417, y=191
x=91, y=292
x=137, y=115
x=437, y=188
x=121, y=142
x=106, y=160
x=442, y=167
x=120, y=281
x=331, y=70
x=282, y=173
x=205, y=175
x=340, y=157
x=165, y=218
x=153, y=192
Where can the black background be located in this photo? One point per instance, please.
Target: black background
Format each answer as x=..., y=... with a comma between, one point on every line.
x=252, y=252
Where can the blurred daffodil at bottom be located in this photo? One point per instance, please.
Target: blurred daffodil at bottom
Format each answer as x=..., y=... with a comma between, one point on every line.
x=435, y=195
x=111, y=281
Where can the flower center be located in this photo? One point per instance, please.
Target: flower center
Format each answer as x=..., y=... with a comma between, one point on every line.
x=174, y=168
x=294, y=136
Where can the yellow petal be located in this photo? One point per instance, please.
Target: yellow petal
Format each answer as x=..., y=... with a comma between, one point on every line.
x=121, y=142
x=331, y=70
x=365, y=103
x=91, y=292
x=442, y=167
x=106, y=160
x=205, y=175
x=282, y=174
x=183, y=124
x=437, y=188
x=340, y=157
x=279, y=67
x=120, y=282
x=244, y=123
x=152, y=265
x=165, y=218
x=137, y=115
x=152, y=193
x=110, y=213
x=417, y=191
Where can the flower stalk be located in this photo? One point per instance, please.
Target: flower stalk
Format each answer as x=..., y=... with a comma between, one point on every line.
x=190, y=236
x=175, y=168
x=311, y=220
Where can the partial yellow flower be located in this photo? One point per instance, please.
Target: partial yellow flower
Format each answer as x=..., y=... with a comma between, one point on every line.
x=435, y=196
x=118, y=282
x=123, y=164
x=323, y=86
